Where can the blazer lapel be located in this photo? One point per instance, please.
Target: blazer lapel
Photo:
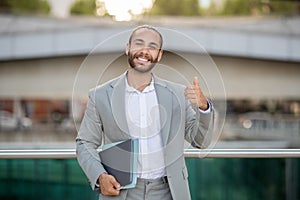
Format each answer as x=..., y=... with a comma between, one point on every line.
x=164, y=97
x=116, y=96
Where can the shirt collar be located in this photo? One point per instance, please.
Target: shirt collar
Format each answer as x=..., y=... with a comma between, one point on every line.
x=149, y=88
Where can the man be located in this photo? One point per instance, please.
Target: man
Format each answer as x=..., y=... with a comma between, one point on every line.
x=140, y=105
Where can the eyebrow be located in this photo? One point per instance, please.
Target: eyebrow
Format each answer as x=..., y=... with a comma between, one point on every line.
x=154, y=44
x=138, y=40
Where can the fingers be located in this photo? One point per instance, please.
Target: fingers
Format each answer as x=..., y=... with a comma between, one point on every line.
x=191, y=94
x=189, y=91
x=116, y=185
x=195, y=95
x=108, y=185
x=196, y=83
x=192, y=89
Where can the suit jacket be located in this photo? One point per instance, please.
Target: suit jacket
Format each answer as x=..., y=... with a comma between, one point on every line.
x=105, y=122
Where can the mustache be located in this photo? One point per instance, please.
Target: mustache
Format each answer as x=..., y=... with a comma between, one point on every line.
x=143, y=55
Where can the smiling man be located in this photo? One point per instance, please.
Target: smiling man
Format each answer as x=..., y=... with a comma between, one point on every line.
x=157, y=112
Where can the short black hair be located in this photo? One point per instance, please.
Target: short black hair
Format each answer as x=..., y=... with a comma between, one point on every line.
x=147, y=27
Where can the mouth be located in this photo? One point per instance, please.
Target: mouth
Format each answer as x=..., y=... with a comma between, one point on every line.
x=141, y=62
x=143, y=59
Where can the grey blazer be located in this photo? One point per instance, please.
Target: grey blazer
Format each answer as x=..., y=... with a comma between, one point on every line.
x=105, y=122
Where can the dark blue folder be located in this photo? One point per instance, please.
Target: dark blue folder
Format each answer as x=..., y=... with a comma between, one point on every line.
x=120, y=160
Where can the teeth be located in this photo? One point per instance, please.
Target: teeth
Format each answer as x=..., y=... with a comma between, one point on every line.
x=142, y=59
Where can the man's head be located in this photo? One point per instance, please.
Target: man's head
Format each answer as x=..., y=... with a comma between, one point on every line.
x=144, y=48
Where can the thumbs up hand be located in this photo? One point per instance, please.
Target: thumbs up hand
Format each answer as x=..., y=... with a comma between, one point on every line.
x=195, y=95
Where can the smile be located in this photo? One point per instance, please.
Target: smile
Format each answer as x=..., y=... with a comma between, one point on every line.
x=143, y=59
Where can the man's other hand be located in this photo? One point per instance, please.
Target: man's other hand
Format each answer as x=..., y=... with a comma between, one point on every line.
x=108, y=185
x=195, y=95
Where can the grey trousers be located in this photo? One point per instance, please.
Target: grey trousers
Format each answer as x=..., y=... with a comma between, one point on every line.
x=156, y=189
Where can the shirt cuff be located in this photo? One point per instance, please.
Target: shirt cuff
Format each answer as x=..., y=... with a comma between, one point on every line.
x=208, y=110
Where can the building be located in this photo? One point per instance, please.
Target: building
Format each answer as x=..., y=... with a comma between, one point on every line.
x=248, y=61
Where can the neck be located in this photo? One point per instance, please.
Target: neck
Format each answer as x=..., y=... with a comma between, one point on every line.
x=138, y=80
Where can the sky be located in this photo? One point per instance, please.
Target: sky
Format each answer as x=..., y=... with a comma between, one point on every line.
x=122, y=10
x=132, y=7
x=128, y=8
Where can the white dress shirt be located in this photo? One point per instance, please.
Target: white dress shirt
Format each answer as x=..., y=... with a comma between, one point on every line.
x=142, y=113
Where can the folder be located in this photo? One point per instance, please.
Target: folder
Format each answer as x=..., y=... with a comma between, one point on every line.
x=120, y=160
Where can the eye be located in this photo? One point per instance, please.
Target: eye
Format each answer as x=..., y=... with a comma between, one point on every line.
x=152, y=48
x=138, y=44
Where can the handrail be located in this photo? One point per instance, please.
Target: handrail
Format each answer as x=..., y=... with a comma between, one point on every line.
x=188, y=153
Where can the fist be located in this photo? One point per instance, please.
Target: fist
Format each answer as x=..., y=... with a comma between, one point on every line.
x=195, y=95
x=108, y=185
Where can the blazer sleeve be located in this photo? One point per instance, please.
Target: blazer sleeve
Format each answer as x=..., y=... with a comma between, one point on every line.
x=199, y=126
x=88, y=140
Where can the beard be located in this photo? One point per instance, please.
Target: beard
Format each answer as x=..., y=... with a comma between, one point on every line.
x=145, y=68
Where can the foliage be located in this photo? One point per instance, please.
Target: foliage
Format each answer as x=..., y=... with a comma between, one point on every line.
x=240, y=7
x=175, y=7
x=83, y=7
x=282, y=7
x=28, y=6
x=229, y=8
x=258, y=7
x=4, y=6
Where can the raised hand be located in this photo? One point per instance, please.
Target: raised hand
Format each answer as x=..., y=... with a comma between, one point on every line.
x=195, y=95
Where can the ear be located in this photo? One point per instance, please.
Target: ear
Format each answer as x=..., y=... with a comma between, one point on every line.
x=127, y=49
x=160, y=55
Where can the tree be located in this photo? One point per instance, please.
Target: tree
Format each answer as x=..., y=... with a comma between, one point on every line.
x=239, y=7
x=282, y=7
x=26, y=6
x=175, y=7
x=258, y=7
x=4, y=6
x=83, y=7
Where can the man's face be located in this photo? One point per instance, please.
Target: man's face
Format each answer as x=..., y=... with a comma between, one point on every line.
x=144, y=50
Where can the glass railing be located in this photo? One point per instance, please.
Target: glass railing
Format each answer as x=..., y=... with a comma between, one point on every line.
x=220, y=174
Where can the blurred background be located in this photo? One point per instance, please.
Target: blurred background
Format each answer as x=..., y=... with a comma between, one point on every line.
x=254, y=44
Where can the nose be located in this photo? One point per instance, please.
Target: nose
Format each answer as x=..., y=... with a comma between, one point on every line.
x=145, y=50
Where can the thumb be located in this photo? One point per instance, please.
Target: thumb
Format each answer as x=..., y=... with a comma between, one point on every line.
x=116, y=184
x=196, y=81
